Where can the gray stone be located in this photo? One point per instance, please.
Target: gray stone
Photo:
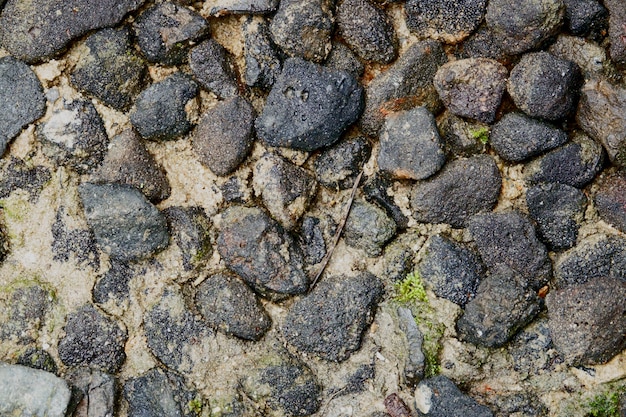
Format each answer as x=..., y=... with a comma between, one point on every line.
x=309, y=106
x=78, y=245
x=224, y=7
x=517, y=137
x=166, y=32
x=439, y=397
x=40, y=29
x=262, y=63
x=523, y=403
x=462, y=137
x=191, y=232
x=99, y=392
x=312, y=239
x=610, y=200
x=331, y=320
x=463, y=187
x=416, y=361
x=375, y=190
x=159, y=112
x=588, y=321
x=617, y=30
x=343, y=59
x=586, y=17
x=484, y=43
x=367, y=30
x=406, y=84
x=230, y=306
x=110, y=69
x=303, y=28
x=214, y=69
x=247, y=244
x=114, y=284
x=224, y=135
x=444, y=20
x=93, y=339
x=38, y=359
x=25, y=311
x=338, y=166
x=31, y=392
x=17, y=174
x=368, y=228
x=509, y=238
x=410, y=146
x=126, y=225
x=398, y=258
x=590, y=57
x=558, y=210
x=21, y=97
x=532, y=350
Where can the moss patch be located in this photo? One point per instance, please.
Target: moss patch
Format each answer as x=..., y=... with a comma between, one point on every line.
x=480, y=134
x=410, y=289
x=607, y=404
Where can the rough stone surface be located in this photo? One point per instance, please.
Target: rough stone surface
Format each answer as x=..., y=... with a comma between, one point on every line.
x=214, y=69
x=517, y=137
x=18, y=174
x=93, y=339
x=114, y=284
x=222, y=7
x=25, y=312
x=410, y=146
x=368, y=228
x=444, y=20
x=376, y=190
x=330, y=321
x=247, y=244
x=312, y=239
x=588, y=321
x=463, y=137
x=610, y=200
x=38, y=359
x=509, y=238
x=439, y=397
x=40, y=29
x=343, y=59
x=99, y=392
x=585, y=17
x=617, y=30
x=159, y=112
x=338, y=166
x=590, y=57
x=367, y=30
x=228, y=305
x=416, y=361
x=125, y=224
x=532, y=349
x=262, y=63
x=110, y=69
x=190, y=229
x=484, y=43
x=463, y=187
x=309, y=106
x=21, y=97
x=76, y=244
x=224, y=135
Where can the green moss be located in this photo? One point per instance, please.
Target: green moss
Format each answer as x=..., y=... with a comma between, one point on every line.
x=410, y=289
x=606, y=405
x=195, y=406
x=480, y=134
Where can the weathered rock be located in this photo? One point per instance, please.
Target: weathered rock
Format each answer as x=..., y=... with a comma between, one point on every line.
x=398, y=258
x=114, y=284
x=309, y=106
x=330, y=321
x=262, y=63
x=40, y=29
x=18, y=174
x=368, y=228
x=343, y=59
x=463, y=187
x=588, y=321
x=532, y=349
x=617, y=30
x=338, y=166
x=303, y=28
x=236, y=190
x=248, y=242
x=484, y=43
x=31, y=392
x=406, y=84
x=539, y=72
x=159, y=112
x=585, y=17
x=21, y=95
x=518, y=403
x=99, y=392
x=416, y=361
x=312, y=239
x=25, y=310
x=228, y=305
x=444, y=20
x=166, y=32
x=367, y=30
x=410, y=146
x=610, y=200
x=375, y=190
x=93, y=339
x=38, y=359
x=439, y=397
x=110, y=69
x=68, y=243
x=223, y=7
x=126, y=225
x=517, y=137
x=224, y=135
x=463, y=137
x=190, y=229
x=214, y=69
x=590, y=57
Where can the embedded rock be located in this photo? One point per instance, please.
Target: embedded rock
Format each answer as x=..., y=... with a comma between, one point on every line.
x=25, y=312
x=38, y=359
x=444, y=20
x=343, y=59
x=262, y=63
x=610, y=200
x=463, y=137
x=439, y=397
x=586, y=17
x=338, y=166
x=99, y=392
x=224, y=7
x=190, y=228
x=114, y=284
x=590, y=57
x=617, y=29
x=368, y=228
x=376, y=191
x=213, y=68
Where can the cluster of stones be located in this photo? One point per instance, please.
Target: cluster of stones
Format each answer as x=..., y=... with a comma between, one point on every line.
x=517, y=92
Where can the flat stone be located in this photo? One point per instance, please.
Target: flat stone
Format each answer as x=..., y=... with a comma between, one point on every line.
x=225, y=7
x=617, y=30
x=262, y=63
x=532, y=349
x=331, y=320
x=338, y=166
x=99, y=392
x=342, y=58
x=368, y=228
x=439, y=397
x=40, y=29
x=610, y=200
x=309, y=106
x=191, y=232
x=586, y=17
x=463, y=137
x=444, y=20
x=214, y=69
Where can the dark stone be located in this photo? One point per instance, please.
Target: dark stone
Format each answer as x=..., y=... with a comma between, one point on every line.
x=524, y=25
x=505, y=302
x=309, y=106
x=375, y=191
x=262, y=63
x=40, y=29
x=303, y=28
x=93, y=339
x=230, y=306
x=214, y=69
x=235, y=190
x=516, y=137
x=588, y=321
x=248, y=242
x=617, y=30
x=584, y=17
x=312, y=238
x=558, y=210
x=159, y=112
x=331, y=320
x=367, y=30
x=114, y=284
x=594, y=257
x=444, y=20
x=463, y=187
x=451, y=270
x=224, y=135
x=610, y=200
x=518, y=404
x=343, y=59
x=25, y=310
x=416, y=361
x=166, y=32
x=21, y=95
x=398, y=258
x=224, y=7
x=38, y=359
x=532, y=350
x=509, y=238
x=17, y=174
x=5, y=247
x=129, y=162
x=439, y=397
x=190, y=229
x=463, y=137
x=99, y=392
x=590, y=57
x=110, y=69
x=368, y=228
x=126, y=225
x=406, y=84
x=539, y=72
x=79, y=243
x=484, y=44
x=356, y=381
x=410, y=146
x=576, y=163
x=338, y=166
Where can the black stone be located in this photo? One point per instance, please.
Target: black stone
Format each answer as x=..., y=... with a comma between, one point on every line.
x=190, y=229
x=213, y=69
x=610, y=200
x=444, y=20
x=338, y=166
x=532, y=349
x=375, y=191
x=439, y=397
x=415, y=362
x=37, y=359
x=585, y=17
x=484, y=43
x=77, y=243
x=262, y=63
x=343, y=59
x=368, y=228
x=114, y=284
x=16, y=174
x=312, y=238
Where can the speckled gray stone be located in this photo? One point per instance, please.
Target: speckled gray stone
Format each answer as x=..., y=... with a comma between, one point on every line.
x=444, y=20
